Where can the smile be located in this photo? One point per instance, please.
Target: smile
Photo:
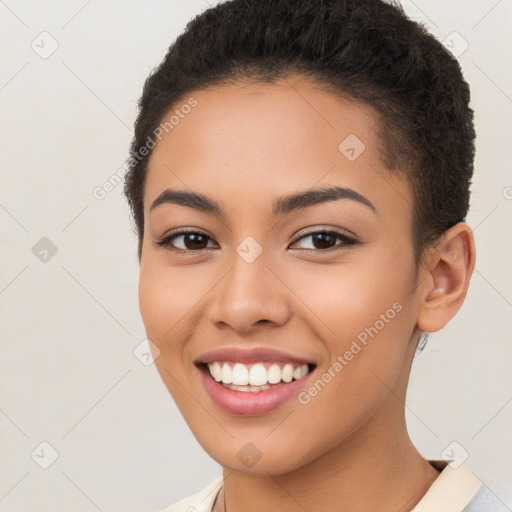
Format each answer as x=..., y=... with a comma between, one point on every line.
x=252, y=382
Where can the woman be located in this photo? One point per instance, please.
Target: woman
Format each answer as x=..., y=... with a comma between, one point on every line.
x=299, y=182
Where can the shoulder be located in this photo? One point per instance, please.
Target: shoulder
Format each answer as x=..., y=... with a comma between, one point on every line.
x=201, y=501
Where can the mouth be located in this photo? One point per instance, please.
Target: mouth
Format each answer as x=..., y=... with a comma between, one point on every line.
x=250, y=389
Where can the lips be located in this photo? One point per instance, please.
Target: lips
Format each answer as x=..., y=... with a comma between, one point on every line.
x=248, y=398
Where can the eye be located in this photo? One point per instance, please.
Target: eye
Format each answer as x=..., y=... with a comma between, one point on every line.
x=190, y=241
x=325, y=240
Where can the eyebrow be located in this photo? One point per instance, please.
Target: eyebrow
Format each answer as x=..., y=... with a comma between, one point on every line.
x=281, y=206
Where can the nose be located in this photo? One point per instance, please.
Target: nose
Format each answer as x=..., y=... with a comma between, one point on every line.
x=250, y=295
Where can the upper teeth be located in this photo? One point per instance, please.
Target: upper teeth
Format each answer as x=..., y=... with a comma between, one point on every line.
x=255, y=375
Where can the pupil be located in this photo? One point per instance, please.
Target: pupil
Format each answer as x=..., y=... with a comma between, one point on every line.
x=324, y=238
x=194, y=237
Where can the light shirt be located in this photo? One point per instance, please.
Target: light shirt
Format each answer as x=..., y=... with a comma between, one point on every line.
x=454, y=490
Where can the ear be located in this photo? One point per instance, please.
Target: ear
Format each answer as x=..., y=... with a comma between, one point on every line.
x=445, y=280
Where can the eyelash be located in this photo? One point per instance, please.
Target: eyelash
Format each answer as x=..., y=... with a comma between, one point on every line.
x=165, y=241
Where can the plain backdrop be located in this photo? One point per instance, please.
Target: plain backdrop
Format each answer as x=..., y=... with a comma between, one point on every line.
x=73, y=394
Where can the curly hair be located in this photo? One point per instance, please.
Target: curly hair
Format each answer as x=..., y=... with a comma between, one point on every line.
x=363, y=50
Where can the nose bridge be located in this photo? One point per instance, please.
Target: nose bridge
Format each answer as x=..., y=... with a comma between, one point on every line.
x=249, y=292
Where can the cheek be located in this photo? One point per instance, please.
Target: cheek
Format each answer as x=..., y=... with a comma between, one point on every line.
x=166, y=300
x=366, y=322
x=349, y=298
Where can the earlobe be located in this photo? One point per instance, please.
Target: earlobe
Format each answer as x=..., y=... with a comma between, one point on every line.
x=444, y=288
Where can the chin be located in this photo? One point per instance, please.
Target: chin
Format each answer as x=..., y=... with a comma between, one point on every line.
x=259, y=457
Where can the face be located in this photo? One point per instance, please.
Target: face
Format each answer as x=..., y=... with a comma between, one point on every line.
x=323, y=285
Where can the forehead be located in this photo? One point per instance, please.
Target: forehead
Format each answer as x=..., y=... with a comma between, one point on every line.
x=258, y=140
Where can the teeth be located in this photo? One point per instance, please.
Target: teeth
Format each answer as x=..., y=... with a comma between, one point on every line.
x=287, y=373
x=240, y=374
x=226, y=374
x=247, y=388
x=274, y=374
x=216, y=371
x=256, y=377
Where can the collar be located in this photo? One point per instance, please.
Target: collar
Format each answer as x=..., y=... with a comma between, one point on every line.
x=451, y=491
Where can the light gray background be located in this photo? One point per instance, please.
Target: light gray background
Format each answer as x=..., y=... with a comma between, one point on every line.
x=68, y=375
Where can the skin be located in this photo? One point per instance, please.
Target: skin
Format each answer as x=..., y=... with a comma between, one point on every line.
x=245, y=146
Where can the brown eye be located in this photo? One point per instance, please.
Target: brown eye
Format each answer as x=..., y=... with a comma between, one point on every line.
x=185, y=241
x=325, y=240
